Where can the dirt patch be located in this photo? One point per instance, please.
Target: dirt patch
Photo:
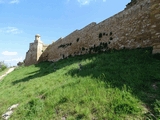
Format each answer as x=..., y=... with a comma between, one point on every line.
x=10, y=70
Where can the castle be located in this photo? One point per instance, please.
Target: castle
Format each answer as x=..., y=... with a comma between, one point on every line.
x=138, y=25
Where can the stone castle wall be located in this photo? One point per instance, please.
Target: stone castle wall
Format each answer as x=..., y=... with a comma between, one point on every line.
x=155, y=25
x=136, y=26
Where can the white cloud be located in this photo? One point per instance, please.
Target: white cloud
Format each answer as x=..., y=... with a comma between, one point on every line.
x=7, y=53
x=86, y=2
x=12, y=30
x=14, y=1
x=9, y=1
x=14, y=60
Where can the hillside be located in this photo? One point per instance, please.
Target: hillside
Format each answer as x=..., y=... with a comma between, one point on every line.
x=114, y=85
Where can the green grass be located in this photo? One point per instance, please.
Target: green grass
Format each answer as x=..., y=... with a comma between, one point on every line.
x=114, y=85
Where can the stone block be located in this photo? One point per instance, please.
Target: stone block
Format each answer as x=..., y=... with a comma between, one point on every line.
x=155, y=51
x=156, y=46
x=157, y=16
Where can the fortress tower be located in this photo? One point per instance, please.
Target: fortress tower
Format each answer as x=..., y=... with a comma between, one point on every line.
x=35, y=51
x=39, y=46
x=37, y=37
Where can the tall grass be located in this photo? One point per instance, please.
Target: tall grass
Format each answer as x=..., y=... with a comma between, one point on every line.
x=112, y=85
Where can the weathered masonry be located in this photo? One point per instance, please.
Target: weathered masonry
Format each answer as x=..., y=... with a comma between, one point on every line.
x=138, y=25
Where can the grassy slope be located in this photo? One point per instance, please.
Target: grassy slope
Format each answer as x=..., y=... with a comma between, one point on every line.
x=114, y=85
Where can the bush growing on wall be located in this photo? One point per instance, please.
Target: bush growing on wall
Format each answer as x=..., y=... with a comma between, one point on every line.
x=100, y=35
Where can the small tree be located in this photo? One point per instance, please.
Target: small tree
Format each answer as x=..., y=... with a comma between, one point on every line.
x=3, y=66
x=20, y=63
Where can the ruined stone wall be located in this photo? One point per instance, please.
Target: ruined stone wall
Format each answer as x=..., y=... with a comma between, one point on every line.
x=129, y=29
x=31, y=55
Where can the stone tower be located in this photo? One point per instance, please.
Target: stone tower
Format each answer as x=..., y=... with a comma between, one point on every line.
x=37, y=37
x=39, y=46
x=35, y=51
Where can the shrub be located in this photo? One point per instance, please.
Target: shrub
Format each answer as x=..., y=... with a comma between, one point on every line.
x=77, y=39
x=111, y=38
x=100, y=35
x=20, y=64
x=3, y=66
x=110, y=33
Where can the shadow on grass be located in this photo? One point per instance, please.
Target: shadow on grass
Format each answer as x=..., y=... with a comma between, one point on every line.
x=138, y=69
x=42, y=72
x=50, y=67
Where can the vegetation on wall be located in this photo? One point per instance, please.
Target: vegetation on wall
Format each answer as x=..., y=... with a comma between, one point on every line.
x=100, y=48
x=110, y=33
x=100, y=35
x=83, y=48
x=133, y=2
x=111, y=38
x=77, y=40
x=103, y=34
x=65, y=45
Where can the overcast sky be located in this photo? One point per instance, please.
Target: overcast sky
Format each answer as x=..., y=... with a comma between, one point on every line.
x=20, y=20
